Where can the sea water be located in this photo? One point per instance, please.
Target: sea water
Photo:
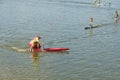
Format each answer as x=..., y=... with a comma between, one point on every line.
x=93, y=55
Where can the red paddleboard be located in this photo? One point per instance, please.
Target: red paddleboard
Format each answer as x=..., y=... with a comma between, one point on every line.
x=50, y=49
x=39, y=50
x=55, y=49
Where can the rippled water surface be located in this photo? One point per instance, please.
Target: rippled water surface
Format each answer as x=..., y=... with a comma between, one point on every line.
x=93, y=55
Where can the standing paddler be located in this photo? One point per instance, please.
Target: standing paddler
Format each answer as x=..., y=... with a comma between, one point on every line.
x=116, y=16
x=91, y=22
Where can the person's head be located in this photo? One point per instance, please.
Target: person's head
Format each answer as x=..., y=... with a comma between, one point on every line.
x=91, y=19
x=35, y=41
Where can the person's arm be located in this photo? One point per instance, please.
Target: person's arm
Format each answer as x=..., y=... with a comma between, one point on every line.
x=31, y=48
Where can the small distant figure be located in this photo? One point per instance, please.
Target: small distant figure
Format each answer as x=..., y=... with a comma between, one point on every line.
x=116, y=17
x=109, y=3
x=97, y=2
x=91, y=22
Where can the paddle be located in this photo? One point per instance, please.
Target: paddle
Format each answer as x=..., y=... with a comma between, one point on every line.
x=43, y=45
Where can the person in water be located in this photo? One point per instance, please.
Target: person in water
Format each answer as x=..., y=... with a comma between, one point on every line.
x=99, y=2
x=116, y=17
x=109, y=3
x=91, y=22
x=96, y=2
x=32, y=41
x=35, y=44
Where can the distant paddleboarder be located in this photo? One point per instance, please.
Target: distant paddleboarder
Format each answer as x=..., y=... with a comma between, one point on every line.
x=97, y=2
x=116, y=17
x=109, y=3
x=91, y=22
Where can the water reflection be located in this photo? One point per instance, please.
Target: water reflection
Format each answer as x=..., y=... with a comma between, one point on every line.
x=35, y=56
x=35, y=59
x=90, y=32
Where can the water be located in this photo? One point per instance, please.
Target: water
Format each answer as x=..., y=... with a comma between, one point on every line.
x=93, y=55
